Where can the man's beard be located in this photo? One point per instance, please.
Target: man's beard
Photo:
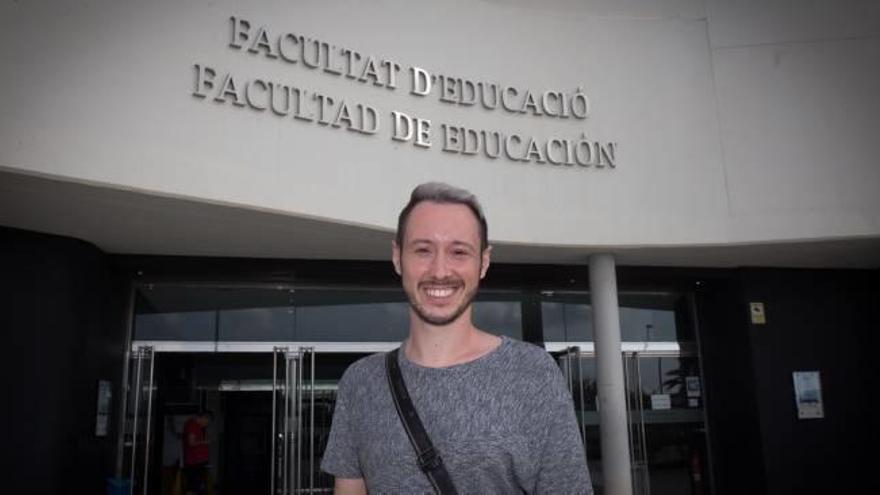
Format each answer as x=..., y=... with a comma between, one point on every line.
x=442, y=320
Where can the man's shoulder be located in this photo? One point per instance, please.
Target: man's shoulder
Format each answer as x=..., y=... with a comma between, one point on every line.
x=368, y=363
x=364, y=370
x=533, y=368
x=530, y=355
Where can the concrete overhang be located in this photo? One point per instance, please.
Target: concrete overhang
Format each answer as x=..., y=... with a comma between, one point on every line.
x=135, y=222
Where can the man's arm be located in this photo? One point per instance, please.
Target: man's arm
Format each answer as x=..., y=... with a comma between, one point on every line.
x=341, y=455
x=563, y=459
x=344, y=486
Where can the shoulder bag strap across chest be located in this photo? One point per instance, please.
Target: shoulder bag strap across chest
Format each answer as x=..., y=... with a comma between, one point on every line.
x=428, y=458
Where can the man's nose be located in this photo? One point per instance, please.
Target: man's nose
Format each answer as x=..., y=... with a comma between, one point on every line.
x=439, y=266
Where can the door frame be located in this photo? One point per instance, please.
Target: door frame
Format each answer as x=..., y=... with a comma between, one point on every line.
x=293, y=390
x=630, y=353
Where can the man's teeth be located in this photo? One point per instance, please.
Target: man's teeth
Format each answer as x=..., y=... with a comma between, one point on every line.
x=446, y=292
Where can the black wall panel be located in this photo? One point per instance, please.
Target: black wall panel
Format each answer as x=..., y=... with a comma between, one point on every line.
x=822, y=320
x=62, y=318
x=731, y=404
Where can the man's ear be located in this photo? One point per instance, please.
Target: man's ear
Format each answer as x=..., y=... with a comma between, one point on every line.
x=485, y=259
x=395, y=256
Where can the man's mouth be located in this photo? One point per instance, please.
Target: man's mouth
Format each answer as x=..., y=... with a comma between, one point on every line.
x=439, y=292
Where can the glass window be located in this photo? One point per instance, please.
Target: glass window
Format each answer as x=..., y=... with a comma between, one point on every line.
x=567, y=321
x=257, y=324
x=553, y=321
x=373, y=322
x=499, y=317
x=643, y=318
x=670, y=375
x=198, y=313
x=183, y=325
x=578, y=322
x=350, y=315
x=647, y=325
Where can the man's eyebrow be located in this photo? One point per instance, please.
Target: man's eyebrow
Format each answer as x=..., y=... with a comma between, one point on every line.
x=463, y=244
x=431, y=242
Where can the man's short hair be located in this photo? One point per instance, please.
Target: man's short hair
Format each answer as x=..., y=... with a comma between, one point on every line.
x=438, y=192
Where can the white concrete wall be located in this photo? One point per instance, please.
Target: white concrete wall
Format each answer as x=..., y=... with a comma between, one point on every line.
x=735, y=123
x=797, y=86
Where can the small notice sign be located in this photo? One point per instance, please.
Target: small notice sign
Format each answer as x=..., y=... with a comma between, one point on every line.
x=808, y=394
x=757, y=311
x=102, y=417
x=693, y=386
x=660, y=401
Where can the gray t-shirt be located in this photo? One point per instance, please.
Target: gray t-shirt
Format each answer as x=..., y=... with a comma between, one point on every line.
x=503, y=423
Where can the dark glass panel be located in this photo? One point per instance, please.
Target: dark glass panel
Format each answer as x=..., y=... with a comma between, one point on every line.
x=499, y=317
x=647, y=325
x=373, y=322
x=553, y=320
x=257, y=324
x=643, y=318
x=189, y=326
x=578, y=323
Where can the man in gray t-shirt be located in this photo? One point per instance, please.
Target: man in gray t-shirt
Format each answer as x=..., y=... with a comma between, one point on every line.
x=496, y=409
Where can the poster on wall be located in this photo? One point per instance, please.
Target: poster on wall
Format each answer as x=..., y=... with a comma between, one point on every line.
x=102, y=419
x=808, y=394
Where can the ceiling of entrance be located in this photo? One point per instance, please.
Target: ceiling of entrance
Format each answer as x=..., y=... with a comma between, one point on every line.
x=130, y=222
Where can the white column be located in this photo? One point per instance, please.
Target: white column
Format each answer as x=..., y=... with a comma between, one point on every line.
x=613, y=431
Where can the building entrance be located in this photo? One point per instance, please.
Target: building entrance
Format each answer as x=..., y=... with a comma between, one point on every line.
x=269, y=420
x=665, y=416
x=246, y=352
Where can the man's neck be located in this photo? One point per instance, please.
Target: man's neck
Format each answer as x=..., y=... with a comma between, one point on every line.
x=436, y=346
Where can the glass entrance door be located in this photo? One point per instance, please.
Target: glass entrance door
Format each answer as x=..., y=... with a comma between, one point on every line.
x=294, y=461
x=665, y=416
x=579, y=369
x=667, y=423
x=270, y=419
x=137, y=428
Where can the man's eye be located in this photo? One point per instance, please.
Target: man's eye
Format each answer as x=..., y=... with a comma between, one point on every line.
x=460, y=253
x=422, y=250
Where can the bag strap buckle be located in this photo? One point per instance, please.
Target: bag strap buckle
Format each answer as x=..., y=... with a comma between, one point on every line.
x=429, y=460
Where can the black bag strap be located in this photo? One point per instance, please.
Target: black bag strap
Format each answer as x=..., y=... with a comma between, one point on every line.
x=428, y=458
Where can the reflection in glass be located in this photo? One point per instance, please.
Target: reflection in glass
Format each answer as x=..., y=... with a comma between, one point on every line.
x=647, y=325
x=643, y=318
x=256, y=324
x=553, y=321
x=670, y=442
x=376, y=322
x=669, y=376
x=567, y=322
x=668, y=445
x=499, y=317
x=229, y=314
x=191, y=326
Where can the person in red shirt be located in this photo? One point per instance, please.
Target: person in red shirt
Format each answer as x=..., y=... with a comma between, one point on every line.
x=196, y=453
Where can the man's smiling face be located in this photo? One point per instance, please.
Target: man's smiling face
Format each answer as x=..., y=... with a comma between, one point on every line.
x=440, y=262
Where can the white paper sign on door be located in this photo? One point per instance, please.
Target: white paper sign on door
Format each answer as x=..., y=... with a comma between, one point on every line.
x=660, y=401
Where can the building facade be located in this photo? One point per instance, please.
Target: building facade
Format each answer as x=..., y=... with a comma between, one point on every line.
x=194, y=196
